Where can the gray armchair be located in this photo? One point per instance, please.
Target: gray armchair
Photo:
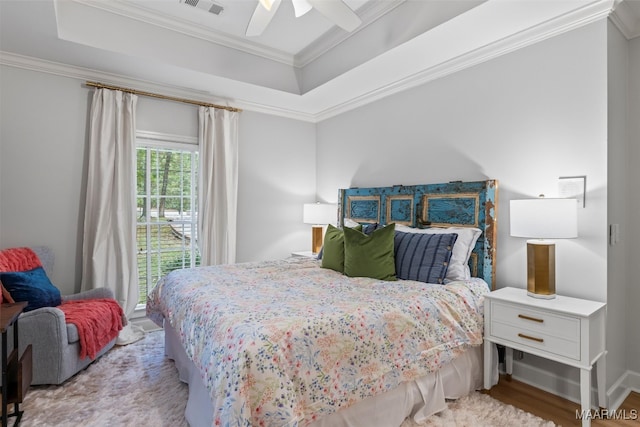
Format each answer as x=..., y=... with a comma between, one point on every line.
x=55, y=344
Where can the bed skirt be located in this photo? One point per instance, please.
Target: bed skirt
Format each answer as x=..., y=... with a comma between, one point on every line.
x=417, y=399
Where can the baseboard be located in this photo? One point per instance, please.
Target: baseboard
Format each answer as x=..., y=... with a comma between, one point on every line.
x=618, y=392
x=544, y=380
x=633, y=380
x=145, y=323
x=570, y=389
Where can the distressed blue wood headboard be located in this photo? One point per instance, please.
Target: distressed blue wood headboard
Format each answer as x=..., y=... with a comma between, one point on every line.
x=459, y=204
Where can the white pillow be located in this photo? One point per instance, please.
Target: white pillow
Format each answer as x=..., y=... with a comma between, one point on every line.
x=348, y=222
x=466, y=241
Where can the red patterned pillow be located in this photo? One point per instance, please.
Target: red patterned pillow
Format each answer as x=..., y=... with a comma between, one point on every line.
x=18, y=259
x=26, y=280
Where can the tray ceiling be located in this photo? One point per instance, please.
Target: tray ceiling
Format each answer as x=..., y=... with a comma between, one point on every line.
x=300, y=67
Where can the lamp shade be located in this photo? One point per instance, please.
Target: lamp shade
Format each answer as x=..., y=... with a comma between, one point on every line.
x=543, y=218
x=319, y=213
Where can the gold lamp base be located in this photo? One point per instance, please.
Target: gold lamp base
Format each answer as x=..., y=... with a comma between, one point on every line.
x=316, y=238
x=541, y=269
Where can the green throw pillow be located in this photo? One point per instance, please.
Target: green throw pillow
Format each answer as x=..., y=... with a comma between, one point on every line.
x=370, y=256
x=333, y=249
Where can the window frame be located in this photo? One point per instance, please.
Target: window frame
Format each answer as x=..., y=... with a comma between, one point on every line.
x=164, y=141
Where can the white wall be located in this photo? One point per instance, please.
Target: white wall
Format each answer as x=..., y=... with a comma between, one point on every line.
x=175, y=118
x=633, y=235
x=524, y=119
x=43, y=138
x=278, y=175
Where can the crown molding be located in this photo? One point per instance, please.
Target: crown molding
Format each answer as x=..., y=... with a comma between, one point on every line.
x=369, y=13
x=567, y=22
x=562, y=24
x=83, y=74
x=625, y=19
x=172, y=23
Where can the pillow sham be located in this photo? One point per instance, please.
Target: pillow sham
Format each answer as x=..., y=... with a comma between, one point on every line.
x=32, y=286
x=465, y=242
x=332, y=253
x=348, y=222
x=423, y=257
x=370, y=255
x=370, y=228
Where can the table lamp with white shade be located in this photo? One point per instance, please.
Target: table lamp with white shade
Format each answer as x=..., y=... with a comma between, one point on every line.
x=318, y=215
x=540, y=219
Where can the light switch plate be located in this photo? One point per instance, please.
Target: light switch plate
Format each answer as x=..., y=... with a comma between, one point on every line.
x=614, y=234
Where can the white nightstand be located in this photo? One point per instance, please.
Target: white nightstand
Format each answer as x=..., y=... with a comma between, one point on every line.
x=307, y=254
x=564, y=329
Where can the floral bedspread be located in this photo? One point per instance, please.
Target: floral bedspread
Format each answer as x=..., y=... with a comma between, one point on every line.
x=283, y=343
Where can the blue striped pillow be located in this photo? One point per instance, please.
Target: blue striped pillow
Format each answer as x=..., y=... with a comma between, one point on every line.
x=423, y=257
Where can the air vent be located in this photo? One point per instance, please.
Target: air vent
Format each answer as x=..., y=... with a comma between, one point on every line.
x=207, y=5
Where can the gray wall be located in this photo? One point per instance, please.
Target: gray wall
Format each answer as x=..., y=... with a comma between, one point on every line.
x=43, y=140
x=633, y=236
x=619, y=167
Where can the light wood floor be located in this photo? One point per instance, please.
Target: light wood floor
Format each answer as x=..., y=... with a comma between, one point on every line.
x=556, y=409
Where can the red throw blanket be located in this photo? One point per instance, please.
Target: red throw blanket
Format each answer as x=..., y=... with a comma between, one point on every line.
x=98, y=322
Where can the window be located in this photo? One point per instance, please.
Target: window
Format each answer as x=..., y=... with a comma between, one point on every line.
x=167, y=176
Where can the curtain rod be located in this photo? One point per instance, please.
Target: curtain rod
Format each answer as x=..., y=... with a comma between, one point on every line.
x=155, y=95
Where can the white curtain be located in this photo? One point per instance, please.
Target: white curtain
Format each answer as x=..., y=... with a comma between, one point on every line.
x=217, y=185
x=109, y=246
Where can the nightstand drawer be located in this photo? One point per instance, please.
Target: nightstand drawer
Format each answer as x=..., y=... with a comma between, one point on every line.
x=537, y=321
x=547, y=343
x=564, y=329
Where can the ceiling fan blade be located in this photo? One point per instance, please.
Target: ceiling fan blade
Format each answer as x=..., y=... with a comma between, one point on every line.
x=338, y=12
x=261, y=18
x=300, y=7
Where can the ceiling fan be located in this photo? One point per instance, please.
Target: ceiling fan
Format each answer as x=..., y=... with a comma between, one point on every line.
x=335, y=10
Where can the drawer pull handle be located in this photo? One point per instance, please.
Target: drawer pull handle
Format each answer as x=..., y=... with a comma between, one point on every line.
x=534, y=319
x=530, y=338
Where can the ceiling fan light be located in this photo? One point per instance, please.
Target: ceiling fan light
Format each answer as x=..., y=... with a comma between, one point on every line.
x=266, y=4
x=338, y=12
x=300, y=7
x=260, y=18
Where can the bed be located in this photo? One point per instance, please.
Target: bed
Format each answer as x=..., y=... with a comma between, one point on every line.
x=293, y=342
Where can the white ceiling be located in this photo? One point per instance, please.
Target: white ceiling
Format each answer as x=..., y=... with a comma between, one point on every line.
x=303, y=67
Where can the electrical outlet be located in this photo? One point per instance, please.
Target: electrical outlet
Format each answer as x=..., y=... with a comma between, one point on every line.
x=518, y=355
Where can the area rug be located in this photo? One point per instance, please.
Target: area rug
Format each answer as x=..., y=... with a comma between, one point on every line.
x=481, y=410
x=132, y=385
x=136, y=385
